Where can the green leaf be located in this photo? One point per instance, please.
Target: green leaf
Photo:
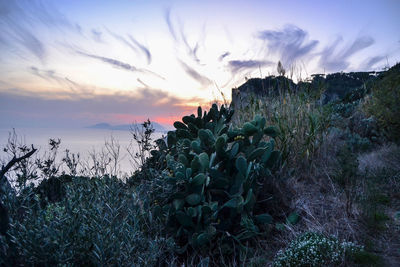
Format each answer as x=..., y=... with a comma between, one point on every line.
x=220, y=145
x=180, y=176
x=256, y=153
x=196, y=146
x=241, y=165
x=204, y=160
x=183, y=219
x=199, y=112
x=181, y=133
x=202, y=239
x=267, y=154
x=195, y=164
x=234, y=202
x=263, y=218
x=211, y=230
x=189, y=119
x=212, y=159
x=180, y=125
x=293, y=218
x=203, y=135
x=178, y=203
x=250, y=200
x=182, y=159
x=171, y=138
x=193, y=199
x=191, y=212
x=199, y=179
x=188, y=173
x=249, y=129
x=280, y=226
x=271, y=131
x=234, y=150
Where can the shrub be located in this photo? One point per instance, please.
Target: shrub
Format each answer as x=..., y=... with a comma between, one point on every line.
x=212, y=179
x=99, y=222
x=384, y=103
x=314, y=249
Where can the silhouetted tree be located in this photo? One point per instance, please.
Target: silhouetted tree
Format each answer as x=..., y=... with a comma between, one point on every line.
x=280, y=69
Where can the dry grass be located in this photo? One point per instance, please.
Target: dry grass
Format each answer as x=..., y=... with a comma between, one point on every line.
x=299, y=117
x=387, y=156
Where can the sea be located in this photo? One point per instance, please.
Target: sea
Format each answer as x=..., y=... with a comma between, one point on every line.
x=84, y=141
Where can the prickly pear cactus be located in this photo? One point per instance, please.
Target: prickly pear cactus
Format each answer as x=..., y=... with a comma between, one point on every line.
x=215, y=172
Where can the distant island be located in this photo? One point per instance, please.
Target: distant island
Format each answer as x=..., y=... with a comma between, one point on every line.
x=125, y=127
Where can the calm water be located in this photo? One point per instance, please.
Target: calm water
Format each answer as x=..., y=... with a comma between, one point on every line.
x=82, y=141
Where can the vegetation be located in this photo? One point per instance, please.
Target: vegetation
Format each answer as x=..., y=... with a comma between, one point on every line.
x=299, y=175
x=384, y=102
x=313, y=249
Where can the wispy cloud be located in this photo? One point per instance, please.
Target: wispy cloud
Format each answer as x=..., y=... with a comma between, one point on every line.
x=122, y=40
x=370, y=62
x=19, y=24
x=203, y=80
x=224, y=55
x=333, y=59
x=240, y=65
x=167, y=17
x=133, y=44
x=97, y=35
x=65, y=82
x=290, y=43
x=111, y=61
x=190, y=49
x=143, y=48
x=120, y=65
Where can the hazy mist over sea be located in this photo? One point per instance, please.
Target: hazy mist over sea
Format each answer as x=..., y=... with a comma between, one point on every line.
x=77, y=140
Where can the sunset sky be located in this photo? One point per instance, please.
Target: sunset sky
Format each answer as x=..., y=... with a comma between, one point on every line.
x=70, y=63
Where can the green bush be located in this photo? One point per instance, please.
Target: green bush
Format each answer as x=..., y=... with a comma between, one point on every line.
x=384, y=103
x=314, y=249
x=212, y=179
x=98, y=222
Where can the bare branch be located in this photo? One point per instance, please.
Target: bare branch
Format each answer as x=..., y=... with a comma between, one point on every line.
x=15, y=160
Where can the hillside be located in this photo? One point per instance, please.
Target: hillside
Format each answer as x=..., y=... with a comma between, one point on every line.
x=291, y=174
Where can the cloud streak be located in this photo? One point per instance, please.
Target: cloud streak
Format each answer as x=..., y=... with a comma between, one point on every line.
x=52, y=76
x=143, y=48
x=19, y=24
x=122, y=40
x=167, y=17
x=97, y=35
x=224, y=55
x=191, y=50
x=112, y=62
x=369, y=63
x=333, y=59
x=240, y=65
x=290, y=44
x=203, y=80
x=120, y=65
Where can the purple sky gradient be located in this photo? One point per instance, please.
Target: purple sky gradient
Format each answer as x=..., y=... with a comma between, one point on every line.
x=72, y=63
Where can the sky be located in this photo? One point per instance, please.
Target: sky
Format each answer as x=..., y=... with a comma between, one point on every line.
x=70, y=63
